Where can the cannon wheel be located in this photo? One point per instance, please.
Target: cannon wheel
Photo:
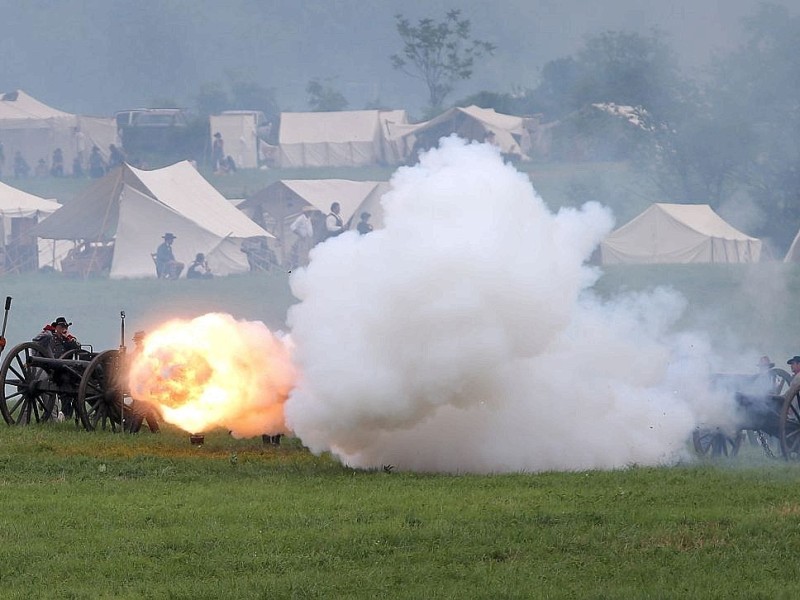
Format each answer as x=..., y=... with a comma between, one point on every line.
x=715, y=443
x=789, y=427
x=23, y=401
x=781, y=380
x=101, y=392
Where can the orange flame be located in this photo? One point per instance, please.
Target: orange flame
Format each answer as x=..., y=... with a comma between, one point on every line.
x=214, y=371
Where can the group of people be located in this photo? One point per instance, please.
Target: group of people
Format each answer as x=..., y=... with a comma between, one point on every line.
x=167, y=267
x=310, y=229
x=96, y=164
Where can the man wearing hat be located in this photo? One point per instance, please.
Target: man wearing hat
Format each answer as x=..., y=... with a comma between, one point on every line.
x=794, y=385
x=56, y=339
x=303, y=228
x=166, y=265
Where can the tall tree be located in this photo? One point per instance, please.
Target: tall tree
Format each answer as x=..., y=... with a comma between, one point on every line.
x=439, y=53
x=757, y=86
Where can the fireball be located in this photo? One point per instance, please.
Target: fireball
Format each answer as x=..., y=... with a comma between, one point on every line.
x=214, y=371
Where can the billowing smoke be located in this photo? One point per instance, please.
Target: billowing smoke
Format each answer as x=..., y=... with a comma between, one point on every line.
x=464, y=336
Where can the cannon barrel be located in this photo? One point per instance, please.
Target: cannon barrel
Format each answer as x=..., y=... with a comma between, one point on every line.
x=57, y=363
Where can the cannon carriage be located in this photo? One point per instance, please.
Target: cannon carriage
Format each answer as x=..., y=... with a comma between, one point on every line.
x=763, y=417
x=89, y=386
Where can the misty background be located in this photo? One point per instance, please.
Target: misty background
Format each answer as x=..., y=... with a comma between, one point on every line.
x=100, y=56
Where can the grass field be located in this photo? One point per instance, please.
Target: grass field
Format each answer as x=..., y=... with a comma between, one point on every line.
x=98, y=515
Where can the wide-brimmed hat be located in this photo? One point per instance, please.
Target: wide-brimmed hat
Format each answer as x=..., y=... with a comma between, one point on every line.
x=309, y=208
x=794, y=359
x=169, y=236
x=61, y=321
x=765, y=362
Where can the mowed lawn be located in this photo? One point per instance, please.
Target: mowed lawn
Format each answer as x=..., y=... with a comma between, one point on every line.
x=101, y=515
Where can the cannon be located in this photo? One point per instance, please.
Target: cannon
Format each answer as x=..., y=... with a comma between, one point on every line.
x=90, y=385
x=763, y=417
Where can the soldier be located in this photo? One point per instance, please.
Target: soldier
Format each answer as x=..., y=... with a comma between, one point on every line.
x=794, y=385
x=57, y=339
x=140, y=411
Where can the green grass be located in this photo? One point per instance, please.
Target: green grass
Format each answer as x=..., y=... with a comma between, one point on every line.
x=98, y=515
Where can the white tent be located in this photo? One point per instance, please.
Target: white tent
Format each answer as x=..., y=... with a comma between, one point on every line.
x=510, y=133
x=239, y=131
x=277, y=205
x=35, y=130
x=134, y=208
x=339, y=139
x=679, y=233
x=19, y=213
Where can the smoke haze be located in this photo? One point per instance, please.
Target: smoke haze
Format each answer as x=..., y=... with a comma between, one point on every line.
x=463, y=337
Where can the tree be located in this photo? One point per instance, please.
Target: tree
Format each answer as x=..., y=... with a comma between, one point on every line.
x=757, y=86
x=440, y=54
x=322, y=96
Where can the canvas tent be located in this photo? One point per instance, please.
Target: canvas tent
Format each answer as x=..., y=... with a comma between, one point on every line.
x=679, y=233
x=276, y=206
x=22, y=251
x=511, y=134
x=241, y=131
x=36, y=130
x=131, y=209
x=340, y=139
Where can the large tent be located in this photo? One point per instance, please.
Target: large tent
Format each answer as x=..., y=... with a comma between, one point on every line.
x=510, y=133
x=241, y=131
x=22, y=251
x=132, y=209
x=35, y=130
x=277, y=205
x=679, y=233
x=353, y=138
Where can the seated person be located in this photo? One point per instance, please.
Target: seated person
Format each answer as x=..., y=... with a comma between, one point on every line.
x=166, y=265
x=56, y=340
x=199, y=268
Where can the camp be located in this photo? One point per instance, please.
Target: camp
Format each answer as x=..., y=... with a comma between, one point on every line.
x=277, y=205
x=35, y=130
x=127, y=212
x=679, y=233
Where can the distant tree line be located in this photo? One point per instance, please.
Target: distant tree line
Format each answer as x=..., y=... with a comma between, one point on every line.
x=733, y=133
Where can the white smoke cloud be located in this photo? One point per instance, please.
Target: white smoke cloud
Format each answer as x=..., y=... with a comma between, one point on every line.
x=464, y=337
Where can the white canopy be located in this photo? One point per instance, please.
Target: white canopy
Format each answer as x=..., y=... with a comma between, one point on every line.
x=134, y=208
x=679, y=233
